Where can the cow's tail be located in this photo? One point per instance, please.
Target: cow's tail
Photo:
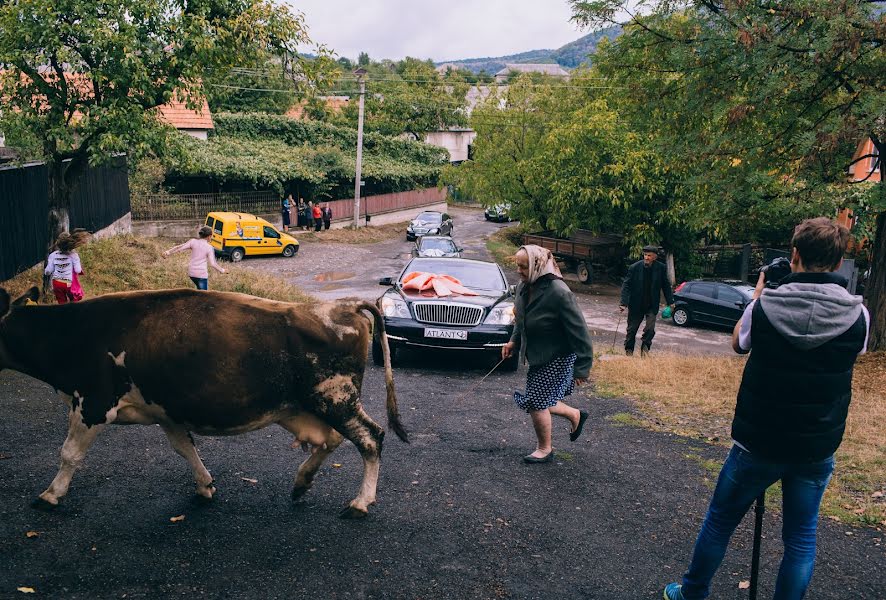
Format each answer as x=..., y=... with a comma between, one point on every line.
x=393, y=412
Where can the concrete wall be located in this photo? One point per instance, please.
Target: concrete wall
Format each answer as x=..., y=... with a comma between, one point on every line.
x=121, y=226
x=456, y=142
x=186, y=229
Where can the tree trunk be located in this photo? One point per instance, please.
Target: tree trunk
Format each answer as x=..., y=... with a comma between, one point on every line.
x=875, y=290
x=672, y=273
x=58, y=217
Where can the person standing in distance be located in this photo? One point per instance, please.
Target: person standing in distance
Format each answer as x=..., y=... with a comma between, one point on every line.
x=641, y=294
x=550, y=332
x=803, y=337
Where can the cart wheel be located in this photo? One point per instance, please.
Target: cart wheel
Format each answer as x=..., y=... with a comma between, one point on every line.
x=584, y=271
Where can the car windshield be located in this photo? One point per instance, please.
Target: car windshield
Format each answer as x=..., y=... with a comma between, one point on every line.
x=437, y=244
x=745, y=290
x=473, y=275
x=430, y=217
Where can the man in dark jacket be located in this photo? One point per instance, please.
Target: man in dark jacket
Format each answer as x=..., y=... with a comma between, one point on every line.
x=804, y=337
x=327, y=216
x=641, y=294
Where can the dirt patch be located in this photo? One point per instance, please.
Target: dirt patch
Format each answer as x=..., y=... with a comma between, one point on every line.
x=349, y=235
x=695, y=396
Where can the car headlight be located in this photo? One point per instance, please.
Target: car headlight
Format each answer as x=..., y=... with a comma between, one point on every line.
x=394, y=307
x=502, y=314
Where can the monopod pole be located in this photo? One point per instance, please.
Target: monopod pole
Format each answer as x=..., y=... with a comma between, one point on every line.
x=759, y=509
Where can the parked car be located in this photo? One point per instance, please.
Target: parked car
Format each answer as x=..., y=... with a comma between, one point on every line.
x=429, y=222
x=717, y=302
x=237, y=235
x=481, y=323
x=436, y=246
x=498, y=213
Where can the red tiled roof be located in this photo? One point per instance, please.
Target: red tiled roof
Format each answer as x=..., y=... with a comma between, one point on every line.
x=178, y=115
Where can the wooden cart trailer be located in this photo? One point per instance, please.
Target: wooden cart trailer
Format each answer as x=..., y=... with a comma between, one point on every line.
x=583, y=251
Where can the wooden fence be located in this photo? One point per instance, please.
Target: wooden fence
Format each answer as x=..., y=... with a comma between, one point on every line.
x=100, y=198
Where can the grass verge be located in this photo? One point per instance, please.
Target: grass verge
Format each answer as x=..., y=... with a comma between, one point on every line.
x=349, y=235
x=126, y=263
x=695, y=396
x=503, y=244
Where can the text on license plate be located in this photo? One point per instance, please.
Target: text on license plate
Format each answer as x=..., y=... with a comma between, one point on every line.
x=446, y=334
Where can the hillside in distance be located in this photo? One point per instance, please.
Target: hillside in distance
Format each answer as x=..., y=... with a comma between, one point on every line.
x=569, y=56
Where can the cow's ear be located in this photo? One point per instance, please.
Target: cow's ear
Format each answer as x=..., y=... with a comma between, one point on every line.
x=30, y=296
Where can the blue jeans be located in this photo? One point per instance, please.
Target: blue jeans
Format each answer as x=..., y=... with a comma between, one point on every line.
x=202, y=283
x=742, y=479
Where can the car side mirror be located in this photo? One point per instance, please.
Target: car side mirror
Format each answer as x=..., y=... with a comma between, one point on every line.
x=388, y=281
x=512, y=290
x=459, y=249
x=741, y=304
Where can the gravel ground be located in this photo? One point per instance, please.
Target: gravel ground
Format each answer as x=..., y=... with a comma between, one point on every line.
x=458, y=516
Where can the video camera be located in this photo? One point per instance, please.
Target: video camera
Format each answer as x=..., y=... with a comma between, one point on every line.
x=775, y=271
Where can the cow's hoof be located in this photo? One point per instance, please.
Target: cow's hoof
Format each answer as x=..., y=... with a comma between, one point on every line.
x=352, y=512
x=298, y=492
x=203, y=500
x=44, y=505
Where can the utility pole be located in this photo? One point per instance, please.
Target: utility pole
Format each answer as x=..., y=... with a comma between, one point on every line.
x=359, y=73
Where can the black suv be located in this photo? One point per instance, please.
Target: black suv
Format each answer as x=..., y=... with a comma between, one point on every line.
x=712, y=301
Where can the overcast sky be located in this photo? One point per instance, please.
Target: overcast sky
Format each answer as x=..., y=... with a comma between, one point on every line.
x=436, y=29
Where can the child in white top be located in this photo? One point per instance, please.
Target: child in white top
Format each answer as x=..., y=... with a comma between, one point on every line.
x=202, y=256
x=63, y=266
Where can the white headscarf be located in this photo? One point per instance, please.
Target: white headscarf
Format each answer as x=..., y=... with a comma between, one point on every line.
x=541, y=262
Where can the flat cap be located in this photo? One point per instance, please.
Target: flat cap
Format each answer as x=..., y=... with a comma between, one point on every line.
x=650, y=249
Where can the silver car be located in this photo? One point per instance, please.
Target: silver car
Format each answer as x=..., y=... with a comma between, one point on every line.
x=436, y=246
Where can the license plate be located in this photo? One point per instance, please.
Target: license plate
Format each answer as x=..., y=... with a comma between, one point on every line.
x=446, y=334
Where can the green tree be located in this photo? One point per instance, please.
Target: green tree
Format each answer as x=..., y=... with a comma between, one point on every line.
x=409, y=97
x=772, y=97
x=564, y=159
x=83, y=77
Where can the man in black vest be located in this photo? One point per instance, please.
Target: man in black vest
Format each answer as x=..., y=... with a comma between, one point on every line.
x=792, y=405
x=641, y=294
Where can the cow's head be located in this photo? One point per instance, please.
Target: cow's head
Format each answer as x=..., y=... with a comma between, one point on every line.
x=29, y=297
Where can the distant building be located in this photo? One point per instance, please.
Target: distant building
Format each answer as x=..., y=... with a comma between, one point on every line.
x=869, y=168
x=550, y=69
x=195, y=123
x=456, y=140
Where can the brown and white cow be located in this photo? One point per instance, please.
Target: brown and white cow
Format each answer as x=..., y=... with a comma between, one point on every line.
x=212, y=363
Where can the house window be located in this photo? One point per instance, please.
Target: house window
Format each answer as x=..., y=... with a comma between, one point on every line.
x=875, y=159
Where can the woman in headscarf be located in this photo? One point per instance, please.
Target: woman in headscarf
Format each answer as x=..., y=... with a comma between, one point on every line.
x=550, y=333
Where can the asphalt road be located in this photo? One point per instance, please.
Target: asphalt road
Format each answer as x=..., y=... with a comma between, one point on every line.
x=334, y=271
x=458, y=516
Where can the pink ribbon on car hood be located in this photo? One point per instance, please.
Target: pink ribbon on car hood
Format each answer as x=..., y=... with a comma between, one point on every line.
x=442, y=285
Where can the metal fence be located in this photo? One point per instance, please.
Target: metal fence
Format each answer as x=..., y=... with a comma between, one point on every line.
x=740, y=261
x=168, y=207
x=164, y=207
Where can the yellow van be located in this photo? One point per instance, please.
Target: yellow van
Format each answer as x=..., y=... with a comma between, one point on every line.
x=236, y=235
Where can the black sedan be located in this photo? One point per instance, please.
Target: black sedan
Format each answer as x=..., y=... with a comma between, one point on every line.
x=716, y=302
x=500, y=213
x=429, y=222
x=420, y=319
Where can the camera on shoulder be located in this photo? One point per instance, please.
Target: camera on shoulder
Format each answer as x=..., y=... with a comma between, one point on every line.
x=775, y=271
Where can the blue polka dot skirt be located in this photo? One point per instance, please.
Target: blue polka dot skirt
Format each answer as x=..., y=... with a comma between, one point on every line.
x=548, y=384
